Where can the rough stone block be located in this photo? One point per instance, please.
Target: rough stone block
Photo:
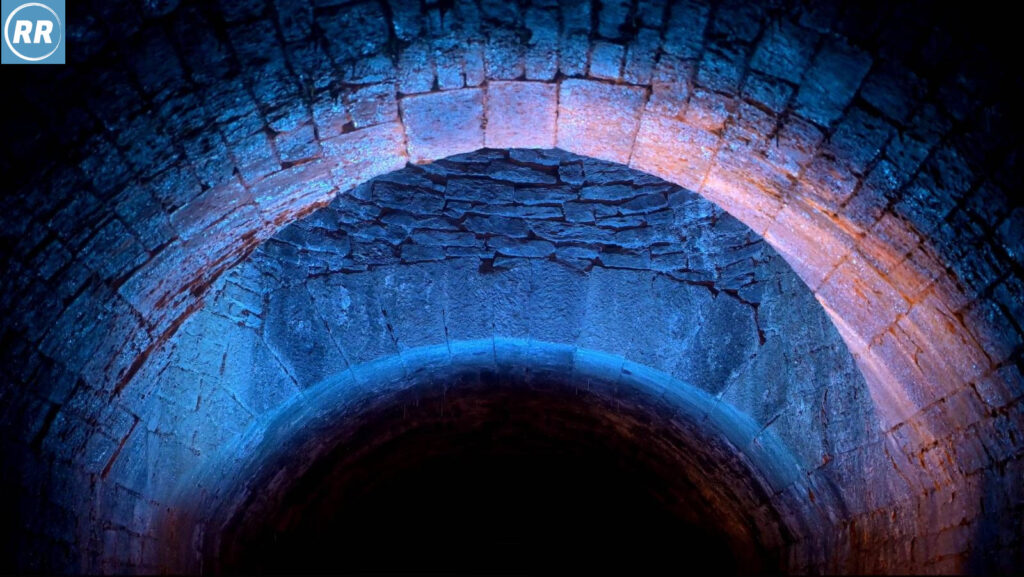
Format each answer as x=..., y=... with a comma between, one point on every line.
x=361, y=155
x=521, y=248
x=708, y=111
x=865, y=300
x=640, y=56
x=479, y=190
x=784, y=52
x=721, y=69
x=293, y=191
x=746, y=187
x=542, y=49
x=416, y=69
x=768, y=91
x=599, y=120
x=373, y=104
x=572, y=54
x=114, y=251
x=358, y=30
x=831, y=82
x=503, y=55
x=828, y=182
x=254, y=158
x=684, y=34
x=497, y=225
x=448, y=64
x=859, y=138
x=893, y=90
x=521, y=115
x=673, y=150
x=670, y=86
x=606, y=60
x=565, y=232
x=810, y=241
x=941, y=336
x=443, y=124
x=794, y=145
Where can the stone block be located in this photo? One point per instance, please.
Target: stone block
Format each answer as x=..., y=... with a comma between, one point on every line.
x=499, y=225
x=673, y=150
x=444, y=238
x=416, y=69
x=831, y=82
x=747, y=187
x=113, y=252
x=859, y=138
x=829, y=182
x=606, y=60
x=784, y=51
x=356, y=324
x=709, y=111
x=568, y=232
x=414, y=253
x=946, y=344
x=863, y=298
x=293, y=191
x=599, y=120
x=670, y=86
x=768, y=91
x=357, y=30
x=684, y=34
x=372, y=105
x=793, y=145
x=448, y=64
x=749, y=125
x=555, y=304
x=254, y=156
x=521, y=115
x=515, y=211
x=358, y=156
x=412, y=304
x=443, y=123
x=640, y=56
x=542, y=48
x=521, y=248
x=612, y=18
x=503, y=55
x=479, y=190
x=992, y=328
x=609, y=192
x=721, y=69
x=578, y=212
x=893, y=90
x=518, y=174
x=572, y=54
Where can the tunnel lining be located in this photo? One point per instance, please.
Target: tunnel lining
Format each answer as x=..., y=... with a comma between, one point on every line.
x=241, y=484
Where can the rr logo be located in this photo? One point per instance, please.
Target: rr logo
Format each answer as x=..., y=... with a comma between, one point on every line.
x=33, y=32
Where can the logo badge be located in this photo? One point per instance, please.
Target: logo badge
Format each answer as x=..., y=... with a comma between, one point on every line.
x=33, y=32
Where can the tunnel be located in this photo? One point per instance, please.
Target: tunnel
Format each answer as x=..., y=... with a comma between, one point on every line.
x=539, y=286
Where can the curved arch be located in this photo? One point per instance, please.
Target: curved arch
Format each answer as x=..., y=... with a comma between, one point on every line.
x=242, y=485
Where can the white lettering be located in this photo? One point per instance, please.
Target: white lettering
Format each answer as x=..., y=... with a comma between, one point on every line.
x=43, y=29
x=22, y=28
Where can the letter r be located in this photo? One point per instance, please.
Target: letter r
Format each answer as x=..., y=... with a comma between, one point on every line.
x=43, y=28
x=22, y=28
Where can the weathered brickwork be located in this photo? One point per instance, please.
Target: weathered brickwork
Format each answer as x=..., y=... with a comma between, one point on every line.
x=496, y=245
x=872, y=147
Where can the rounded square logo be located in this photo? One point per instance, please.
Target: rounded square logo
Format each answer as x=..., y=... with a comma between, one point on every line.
x=34, y=32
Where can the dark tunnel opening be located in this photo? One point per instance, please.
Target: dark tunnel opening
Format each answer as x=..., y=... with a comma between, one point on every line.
x=499, y=478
